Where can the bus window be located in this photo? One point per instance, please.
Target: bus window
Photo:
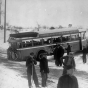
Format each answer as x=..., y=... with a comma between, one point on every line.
x=74, y=37
x=56, y=39
x=28, y=43
x=14, y=45
x=18, y=44
x=82, y=35
x=79, y=34
x=36, y=42
x=47, y=40
x=66, y=38
x=23, y=44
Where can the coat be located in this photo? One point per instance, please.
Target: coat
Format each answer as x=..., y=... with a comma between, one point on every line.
x=68, y=49
x=67, y=81
x=44, y=65
x=68, y=61
x=84, y=50
x=30, y=62
x=58, y=52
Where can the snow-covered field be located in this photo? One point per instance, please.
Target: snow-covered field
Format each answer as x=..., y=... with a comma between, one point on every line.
x=13, y=74
x=2, y=44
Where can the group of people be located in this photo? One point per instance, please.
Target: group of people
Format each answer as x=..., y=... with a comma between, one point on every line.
x=31, y=72
x=59, y=52
x=67, y=80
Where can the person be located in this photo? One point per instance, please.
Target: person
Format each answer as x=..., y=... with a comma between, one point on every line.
x=84, y=54
x=31, y=73
x=68, y=48
x=68, y=80
x=55, y=54
x=9, y=50
x=58, y=53
x=68, y=60
x=44, y=68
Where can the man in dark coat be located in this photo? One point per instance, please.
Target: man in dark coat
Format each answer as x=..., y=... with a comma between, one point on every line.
x=68, y=48
x=68, y=60
x=44, y=68
x=58, y=53
x=31, y=73
x=68, y=80
x=84, y=54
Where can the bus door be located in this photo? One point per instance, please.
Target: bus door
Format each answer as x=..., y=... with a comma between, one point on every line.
x=75, y=42
x=83, y=39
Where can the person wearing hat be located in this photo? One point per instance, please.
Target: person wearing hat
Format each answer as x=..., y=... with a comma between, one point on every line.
x=68, y=60
x=68, y=48
x=68, y=80
x=58, y=53
x=44, y=68
x=84, y=51
x=31, y=72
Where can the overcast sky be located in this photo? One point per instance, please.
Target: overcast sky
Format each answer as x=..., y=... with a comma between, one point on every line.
x=28, y=13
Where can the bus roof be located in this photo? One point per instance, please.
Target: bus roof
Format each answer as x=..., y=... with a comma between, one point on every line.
x=25, y=34
x=46, y=33
x=82, y=29
x=57, y=32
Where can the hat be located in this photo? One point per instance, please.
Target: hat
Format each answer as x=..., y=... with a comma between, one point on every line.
x=69, y=67
x=43, y=54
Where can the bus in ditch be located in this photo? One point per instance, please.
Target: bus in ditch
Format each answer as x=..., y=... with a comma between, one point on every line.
x=22, y=44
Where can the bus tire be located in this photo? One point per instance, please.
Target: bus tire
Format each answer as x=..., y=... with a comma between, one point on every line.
x=19, y=57
x=14, y=56
x=9, y=55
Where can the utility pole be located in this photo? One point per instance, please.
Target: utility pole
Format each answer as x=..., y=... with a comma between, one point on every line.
x=0, y=11
x=5, y=23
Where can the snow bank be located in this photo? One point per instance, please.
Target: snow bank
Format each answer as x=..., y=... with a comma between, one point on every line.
x=80, y=65
x=83, y=67
x=4, y=45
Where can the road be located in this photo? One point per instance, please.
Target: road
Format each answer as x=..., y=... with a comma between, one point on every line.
x=13, y=74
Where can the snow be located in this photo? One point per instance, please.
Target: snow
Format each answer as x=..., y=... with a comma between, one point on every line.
x=81, y=66
x=11, y=79
x=4, y=45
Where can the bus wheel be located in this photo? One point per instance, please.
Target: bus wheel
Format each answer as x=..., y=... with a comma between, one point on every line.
x=9, y=55
x=14, y=56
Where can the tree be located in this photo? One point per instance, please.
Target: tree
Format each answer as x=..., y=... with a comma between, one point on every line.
x=60, y=26
x=70, y=25
x=52, y=28
x=44, y=27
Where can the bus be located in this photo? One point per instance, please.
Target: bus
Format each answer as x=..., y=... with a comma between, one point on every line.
x=22, y=44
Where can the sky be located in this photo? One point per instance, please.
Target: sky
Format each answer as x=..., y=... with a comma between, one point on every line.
x=29, y=13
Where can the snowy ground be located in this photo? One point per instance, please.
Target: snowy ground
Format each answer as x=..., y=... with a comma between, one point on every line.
x=13, y=74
